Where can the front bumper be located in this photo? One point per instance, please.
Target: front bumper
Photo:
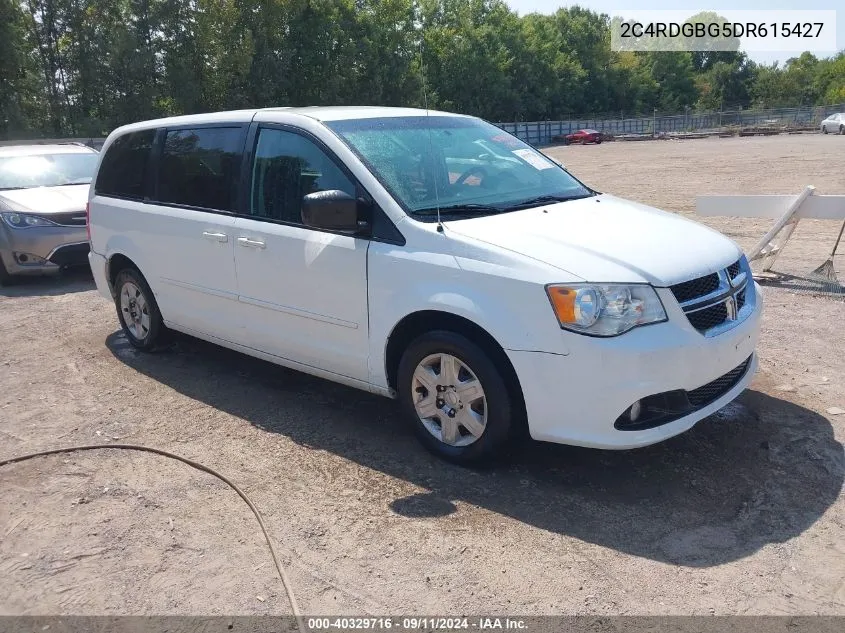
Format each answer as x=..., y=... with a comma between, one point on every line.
x=42, y=249
x=576, y=398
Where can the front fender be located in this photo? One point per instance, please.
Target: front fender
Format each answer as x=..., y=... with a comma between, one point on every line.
x=515, y=312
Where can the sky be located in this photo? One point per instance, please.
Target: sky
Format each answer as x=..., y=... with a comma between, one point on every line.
x=612, y=6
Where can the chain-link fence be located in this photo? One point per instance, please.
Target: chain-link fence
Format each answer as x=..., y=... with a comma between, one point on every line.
x=542, y=132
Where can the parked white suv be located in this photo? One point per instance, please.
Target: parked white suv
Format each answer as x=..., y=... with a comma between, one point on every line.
x=429, y=257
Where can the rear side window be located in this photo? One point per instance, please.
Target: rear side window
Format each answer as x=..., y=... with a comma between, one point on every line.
x=123, y=172
x=201, y=167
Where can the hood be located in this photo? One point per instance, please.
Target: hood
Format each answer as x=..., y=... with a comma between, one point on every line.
x=45, y=200
x=607, y=239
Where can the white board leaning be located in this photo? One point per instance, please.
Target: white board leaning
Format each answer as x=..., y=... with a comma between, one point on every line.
x=786, y=209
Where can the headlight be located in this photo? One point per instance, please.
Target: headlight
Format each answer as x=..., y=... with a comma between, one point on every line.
x=24, y=220
x=604, y=309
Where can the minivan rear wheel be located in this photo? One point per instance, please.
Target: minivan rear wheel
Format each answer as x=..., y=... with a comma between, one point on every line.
x=137, y=310
x=5, y=277
x=456, y=399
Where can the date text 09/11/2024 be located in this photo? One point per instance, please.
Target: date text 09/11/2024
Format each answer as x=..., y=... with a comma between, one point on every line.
x=416, y=623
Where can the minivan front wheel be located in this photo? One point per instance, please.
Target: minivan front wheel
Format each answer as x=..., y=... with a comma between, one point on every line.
x=137, y=310
x=456, y=399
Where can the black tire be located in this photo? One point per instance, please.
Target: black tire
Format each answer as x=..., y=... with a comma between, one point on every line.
x=504, y=427
x=824, y=129
x=152, y=335
x=5, y=277
x=842, y=129
x=598, y=141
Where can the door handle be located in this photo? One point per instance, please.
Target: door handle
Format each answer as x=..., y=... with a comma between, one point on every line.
x=215, y=237
x=250, y=243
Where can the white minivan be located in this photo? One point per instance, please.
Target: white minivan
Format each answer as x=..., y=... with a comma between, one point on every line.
x=429, y=257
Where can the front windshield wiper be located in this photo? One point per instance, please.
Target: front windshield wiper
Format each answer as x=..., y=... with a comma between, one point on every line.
x=479, y=209
x=541, y=200
x=459, y=209
x=76, y=181
x=11, y=188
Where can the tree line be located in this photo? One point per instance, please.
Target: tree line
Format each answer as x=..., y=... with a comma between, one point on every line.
x=83, y=67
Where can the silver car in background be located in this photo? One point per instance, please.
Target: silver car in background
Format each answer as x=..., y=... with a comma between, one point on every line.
x=834, y=124
x=43, y=193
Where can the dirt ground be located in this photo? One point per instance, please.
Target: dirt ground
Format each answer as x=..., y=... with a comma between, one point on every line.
x=742, y=515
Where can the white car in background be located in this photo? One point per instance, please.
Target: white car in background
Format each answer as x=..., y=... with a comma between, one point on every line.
x=429, y=257
x=834, y=124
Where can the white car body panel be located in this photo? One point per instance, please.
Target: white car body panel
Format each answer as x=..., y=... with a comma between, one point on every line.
x=191, y=275
x=327, y=304
x=421, y=276
x=607, y=239
x=303, y=295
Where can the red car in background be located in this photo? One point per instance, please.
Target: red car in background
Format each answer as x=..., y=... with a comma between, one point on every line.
x=581, y=136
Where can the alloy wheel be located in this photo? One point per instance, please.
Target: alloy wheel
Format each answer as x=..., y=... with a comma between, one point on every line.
x=135, y=310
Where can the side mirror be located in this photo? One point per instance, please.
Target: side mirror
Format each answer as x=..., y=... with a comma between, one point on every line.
x=333, y=210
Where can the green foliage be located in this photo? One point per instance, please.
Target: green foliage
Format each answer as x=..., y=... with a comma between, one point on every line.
x=718, y=49
x=726, y=80
x=17, y=72
x=830, y=79
x=83, y=67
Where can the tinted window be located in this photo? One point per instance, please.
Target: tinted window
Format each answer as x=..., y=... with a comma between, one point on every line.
x=200, y=167
x=123, y=172
x=287, y=167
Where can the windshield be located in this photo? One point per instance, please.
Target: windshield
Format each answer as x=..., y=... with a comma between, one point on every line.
x=47, y=170
x=457, y=164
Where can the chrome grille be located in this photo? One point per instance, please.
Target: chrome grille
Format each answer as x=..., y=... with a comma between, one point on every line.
x=715, y=299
